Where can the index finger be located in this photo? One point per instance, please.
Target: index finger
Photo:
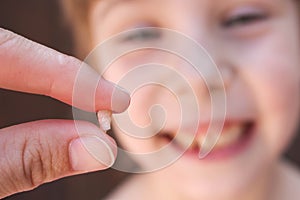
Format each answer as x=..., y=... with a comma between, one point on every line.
x=30, y=67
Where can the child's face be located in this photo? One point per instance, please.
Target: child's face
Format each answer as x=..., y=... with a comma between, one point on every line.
x=257, y=40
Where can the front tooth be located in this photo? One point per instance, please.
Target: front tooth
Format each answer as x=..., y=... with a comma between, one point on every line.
x=229, y=136
x=205, y=144
x=185, y=140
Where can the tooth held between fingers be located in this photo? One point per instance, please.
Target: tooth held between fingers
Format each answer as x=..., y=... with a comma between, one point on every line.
x=104, y=118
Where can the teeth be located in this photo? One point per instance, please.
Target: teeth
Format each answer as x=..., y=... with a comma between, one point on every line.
x=229, y=136
x=205, y=145
x=185, y=140
x=104, y=118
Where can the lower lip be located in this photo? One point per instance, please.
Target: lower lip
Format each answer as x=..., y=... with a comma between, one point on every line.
x=225, y=152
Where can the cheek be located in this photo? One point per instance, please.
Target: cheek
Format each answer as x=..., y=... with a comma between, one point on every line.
x=273, y=75
x=278, y=98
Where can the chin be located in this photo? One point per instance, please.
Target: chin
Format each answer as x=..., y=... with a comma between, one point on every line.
x=223, y=176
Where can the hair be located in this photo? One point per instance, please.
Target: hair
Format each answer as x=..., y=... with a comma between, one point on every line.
x=77, y=9
x=76, y=13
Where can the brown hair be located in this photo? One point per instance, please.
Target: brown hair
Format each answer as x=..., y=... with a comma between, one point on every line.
x=76, y=13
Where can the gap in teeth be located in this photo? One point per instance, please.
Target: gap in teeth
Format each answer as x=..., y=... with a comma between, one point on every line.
x=229, y=136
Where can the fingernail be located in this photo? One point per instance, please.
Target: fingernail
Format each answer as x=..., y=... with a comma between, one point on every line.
x=120, y=100
x=90, y=153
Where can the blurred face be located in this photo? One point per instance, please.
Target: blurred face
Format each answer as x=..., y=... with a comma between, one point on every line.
x=255, y=45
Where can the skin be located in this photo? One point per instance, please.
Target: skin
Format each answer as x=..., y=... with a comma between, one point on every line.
x=38, y=152
x=264, y=54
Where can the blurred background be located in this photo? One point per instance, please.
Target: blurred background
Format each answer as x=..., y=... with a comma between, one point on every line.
x=42, y=21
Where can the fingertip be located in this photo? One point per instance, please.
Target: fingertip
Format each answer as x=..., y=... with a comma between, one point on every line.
x=111, y=97
x=91, y=153
x=120, y=100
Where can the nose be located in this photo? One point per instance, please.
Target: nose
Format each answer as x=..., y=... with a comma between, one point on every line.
x=208, y=68
x=202, y=80
x=208, y=76
x=224, y=80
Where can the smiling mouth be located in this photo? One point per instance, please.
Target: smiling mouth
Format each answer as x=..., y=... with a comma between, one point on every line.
x=232, y=138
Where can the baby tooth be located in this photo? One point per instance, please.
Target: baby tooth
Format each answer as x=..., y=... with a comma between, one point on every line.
x=184, y=140
x=104, y=118
x=205, y=143
x=230, y=136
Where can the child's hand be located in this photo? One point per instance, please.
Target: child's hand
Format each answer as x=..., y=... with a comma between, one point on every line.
x=42, y=151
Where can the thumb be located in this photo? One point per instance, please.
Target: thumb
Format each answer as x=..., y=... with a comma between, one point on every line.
x=38, y=152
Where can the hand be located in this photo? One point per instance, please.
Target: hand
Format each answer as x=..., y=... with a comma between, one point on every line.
x=42, y=151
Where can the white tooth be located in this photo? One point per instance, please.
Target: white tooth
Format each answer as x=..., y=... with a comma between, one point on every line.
x=205, y=144
x=229, y=136
x=104, y=118
x=184, y=140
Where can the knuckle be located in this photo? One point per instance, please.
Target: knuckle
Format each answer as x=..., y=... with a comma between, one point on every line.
x=25, y=167
x=32, y=155
x=36, y=162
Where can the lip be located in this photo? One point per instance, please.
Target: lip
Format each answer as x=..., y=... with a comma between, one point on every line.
x=216, y=153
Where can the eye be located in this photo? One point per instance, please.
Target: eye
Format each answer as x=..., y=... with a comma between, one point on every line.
x=244, y=17
x=142, y=35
